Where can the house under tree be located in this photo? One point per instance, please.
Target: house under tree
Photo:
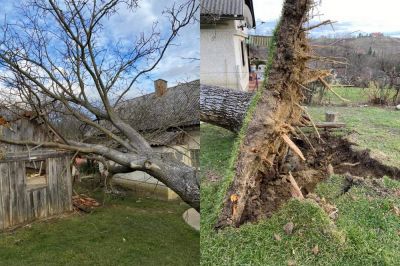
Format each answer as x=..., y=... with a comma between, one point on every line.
x=169, y=119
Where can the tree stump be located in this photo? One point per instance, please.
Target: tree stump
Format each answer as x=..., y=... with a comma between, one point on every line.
x=330, y=116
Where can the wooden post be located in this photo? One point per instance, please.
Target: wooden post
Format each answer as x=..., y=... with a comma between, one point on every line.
x=330, y=116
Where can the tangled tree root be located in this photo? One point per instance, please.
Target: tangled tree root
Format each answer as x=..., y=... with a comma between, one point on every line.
x=269, y=163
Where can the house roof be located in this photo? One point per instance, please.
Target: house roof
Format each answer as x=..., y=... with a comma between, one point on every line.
x=163, y=138
x=226, y=8
x=222, y=7
x=178, y=107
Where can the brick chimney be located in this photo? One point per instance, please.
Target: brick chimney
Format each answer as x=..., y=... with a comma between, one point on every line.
x=160, y=87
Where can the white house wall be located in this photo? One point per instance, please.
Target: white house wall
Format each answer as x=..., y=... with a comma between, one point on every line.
x=221, y=55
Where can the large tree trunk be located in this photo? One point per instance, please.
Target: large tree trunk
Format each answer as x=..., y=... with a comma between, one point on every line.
x=223, y=107
x=182, y=179
x=265, y=144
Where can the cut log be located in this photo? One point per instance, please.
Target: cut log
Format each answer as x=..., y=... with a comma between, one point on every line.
x=223, y=107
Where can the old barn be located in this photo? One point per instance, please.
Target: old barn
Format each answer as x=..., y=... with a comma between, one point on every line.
x=34, y=182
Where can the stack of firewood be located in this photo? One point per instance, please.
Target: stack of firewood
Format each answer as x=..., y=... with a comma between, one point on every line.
x=84, y=203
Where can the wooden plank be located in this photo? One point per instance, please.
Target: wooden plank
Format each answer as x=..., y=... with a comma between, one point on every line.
x=13, y=196
x=62, y=188
x=20, y=177
x=35, y=205
x=330, y=124
x=57, y=184
x=36, y=155
x=5, y=193
x=64, y=180
x=53, y=190
x=326, y=125
x=3, y=175
x=29, y=205
x=43, y=200
x=69, y=183
x=50, y=182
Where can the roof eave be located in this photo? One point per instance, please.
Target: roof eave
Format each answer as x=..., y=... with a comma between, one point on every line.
x=217, y=17
x=249, y=3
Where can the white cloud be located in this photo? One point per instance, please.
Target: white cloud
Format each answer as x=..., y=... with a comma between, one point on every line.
x=267, y=10
x=365, y=16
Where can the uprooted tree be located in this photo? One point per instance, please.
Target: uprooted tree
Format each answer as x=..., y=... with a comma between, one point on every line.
x=57, y=61
x=275, y=110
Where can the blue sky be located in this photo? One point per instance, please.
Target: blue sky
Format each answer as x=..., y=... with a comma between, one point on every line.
x=128, y=25
x=351, y=15
x=174, y=67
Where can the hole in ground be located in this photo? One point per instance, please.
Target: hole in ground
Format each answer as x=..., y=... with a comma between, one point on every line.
x=333, y=152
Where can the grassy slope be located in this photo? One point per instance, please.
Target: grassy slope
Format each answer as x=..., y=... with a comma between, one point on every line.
x=366, y=233
x=124, y=232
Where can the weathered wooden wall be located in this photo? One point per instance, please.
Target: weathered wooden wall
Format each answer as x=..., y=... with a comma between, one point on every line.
x=23, y=129
x=20, y=203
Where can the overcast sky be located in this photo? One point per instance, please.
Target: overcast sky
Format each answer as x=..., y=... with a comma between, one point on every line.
x=352, y=15
x=128, y=25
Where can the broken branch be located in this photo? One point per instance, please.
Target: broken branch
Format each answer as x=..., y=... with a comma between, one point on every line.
x=319, y=25
x=296, y=191
x=293, y=146
x=326, y=85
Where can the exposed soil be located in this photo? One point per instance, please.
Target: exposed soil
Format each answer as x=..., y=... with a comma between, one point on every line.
x=332, y=155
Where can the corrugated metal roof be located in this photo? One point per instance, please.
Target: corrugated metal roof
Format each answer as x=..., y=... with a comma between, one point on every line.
x=222, y=7
x=259, y=40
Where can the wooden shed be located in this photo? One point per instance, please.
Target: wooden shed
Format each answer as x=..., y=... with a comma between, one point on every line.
x=34, y=182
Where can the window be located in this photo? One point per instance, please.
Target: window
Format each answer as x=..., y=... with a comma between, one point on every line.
x=36, y=173
x=243, y=57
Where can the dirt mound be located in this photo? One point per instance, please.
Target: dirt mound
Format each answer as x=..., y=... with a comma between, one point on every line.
x=329, y=155
x=346, y=157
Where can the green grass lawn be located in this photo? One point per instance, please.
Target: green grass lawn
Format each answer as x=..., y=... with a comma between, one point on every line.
x=354, y=94
x=126, y=231
x=376, y=128
x=367, y=231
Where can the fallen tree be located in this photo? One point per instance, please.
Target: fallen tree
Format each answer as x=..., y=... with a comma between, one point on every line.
x=227, y=108
x=57, y=62
x=271, y=118
x=223, y=107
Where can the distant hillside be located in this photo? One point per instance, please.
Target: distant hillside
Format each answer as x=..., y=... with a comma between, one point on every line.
x=337, y=47
x=364, y=45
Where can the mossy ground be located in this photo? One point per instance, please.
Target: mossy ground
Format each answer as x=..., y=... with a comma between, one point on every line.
x=367, y=231
x=125, y=231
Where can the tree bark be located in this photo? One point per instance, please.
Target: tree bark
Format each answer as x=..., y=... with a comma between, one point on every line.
x=182, y=179
x=264, y=147
x=223, y=107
